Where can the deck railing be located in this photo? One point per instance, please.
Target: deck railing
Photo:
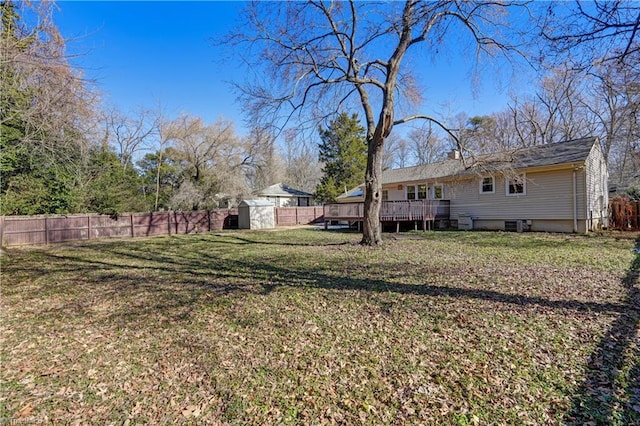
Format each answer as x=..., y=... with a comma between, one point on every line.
x=391, y=211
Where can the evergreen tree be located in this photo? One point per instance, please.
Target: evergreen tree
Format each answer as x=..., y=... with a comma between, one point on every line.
x=42, y=108
x=343, y=152
x=112, y=189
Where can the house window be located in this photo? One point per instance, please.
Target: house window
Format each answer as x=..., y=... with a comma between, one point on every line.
x=516, y=185
x=438, y=192
x=487, y=185
x=385, y=195
x=411, y=192
x=422, y=192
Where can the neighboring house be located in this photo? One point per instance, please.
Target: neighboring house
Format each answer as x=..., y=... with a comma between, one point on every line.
x=560, y=187
x=284, y=196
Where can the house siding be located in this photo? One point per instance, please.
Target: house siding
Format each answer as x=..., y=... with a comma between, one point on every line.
x=597, y=194
x=548, y=201
x=549, y=195
x=566, y=196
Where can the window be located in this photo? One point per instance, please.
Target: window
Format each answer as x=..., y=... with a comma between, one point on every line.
x=516, y=185
x=385, y=195
x=487, y=185
x=422, y=192
x=438, y=192
x=411, y=192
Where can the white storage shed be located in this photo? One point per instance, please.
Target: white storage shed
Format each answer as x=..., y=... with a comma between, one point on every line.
x=256, y=214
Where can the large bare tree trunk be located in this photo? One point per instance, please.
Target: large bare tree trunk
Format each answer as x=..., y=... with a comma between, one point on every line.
x=372, y=228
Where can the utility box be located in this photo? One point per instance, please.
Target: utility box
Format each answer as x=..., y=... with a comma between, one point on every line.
x=256, y=214
x=465, y=222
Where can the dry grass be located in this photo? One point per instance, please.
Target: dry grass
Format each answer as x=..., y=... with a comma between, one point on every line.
x=306, y=327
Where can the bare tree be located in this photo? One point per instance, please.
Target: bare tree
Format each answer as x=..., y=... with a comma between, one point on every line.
x=396, y=152
x=44, y=100
x=302, y=169
x=555, y=112
x=427, y=146
x=262, y=162
x=130, y=134
x=212, y=158
x=324, y=55
x=601, y=30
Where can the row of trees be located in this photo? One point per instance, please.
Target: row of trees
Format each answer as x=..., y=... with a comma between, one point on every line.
x=62, y=152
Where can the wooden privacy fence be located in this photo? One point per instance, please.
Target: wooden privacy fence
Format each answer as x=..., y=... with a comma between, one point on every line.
x=36, y=230
x=625, y=214
x=288, y=216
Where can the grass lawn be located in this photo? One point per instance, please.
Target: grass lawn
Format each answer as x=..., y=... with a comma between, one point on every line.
x=307, y=327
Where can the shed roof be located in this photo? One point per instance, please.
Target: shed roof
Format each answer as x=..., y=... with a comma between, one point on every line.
x=282, y=190
x=573, y=151
x=256, y=203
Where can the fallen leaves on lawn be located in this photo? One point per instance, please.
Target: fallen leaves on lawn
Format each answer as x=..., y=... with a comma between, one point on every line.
x=294, y=328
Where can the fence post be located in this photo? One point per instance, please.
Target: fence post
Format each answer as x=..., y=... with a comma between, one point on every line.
x=46, y=231
x=1, y=231
x=131, y=221
x=88, y=227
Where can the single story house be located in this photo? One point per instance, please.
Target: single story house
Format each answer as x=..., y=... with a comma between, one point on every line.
x=282, y=195
x=559, y=187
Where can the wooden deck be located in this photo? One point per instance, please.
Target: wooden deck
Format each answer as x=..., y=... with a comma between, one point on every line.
x=391, y=211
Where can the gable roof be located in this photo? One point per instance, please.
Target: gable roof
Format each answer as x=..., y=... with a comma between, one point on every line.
x=573, y=151
x=282, y=190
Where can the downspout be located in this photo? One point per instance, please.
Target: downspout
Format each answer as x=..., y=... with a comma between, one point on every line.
x=575, y=201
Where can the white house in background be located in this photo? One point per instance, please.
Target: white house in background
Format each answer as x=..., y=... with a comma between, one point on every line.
x=560, y=187
x=282, y=195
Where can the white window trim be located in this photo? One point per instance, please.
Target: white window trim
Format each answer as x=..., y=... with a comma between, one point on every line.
x=507, y=180
x=426, y=191
x=493, y=185
x=415, y=192
x=433, y=189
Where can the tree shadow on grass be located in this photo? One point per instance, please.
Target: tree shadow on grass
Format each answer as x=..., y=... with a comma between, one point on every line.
x=610, y=394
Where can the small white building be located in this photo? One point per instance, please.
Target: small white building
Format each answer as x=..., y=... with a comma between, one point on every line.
x=282, y=195
x=256, y=214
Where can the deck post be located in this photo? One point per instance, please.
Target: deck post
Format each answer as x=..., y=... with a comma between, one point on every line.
x=397, y=226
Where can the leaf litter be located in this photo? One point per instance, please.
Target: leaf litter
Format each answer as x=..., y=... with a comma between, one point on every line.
x=296, y=327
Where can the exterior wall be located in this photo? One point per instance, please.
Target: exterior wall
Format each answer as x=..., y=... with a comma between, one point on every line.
x=282, y=201
x=597, y=191
x=537, y=225
x=548, y=196
x=567, y=198
x=396, y=194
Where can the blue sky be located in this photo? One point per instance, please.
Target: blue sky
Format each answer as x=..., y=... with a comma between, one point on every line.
x=142, y=53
